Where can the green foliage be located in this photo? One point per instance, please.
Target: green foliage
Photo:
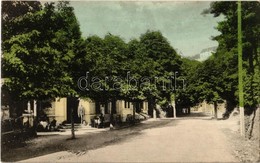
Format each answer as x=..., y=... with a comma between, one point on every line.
x=38, y=49
x=150, y=56
x=153, y=57
x=189, y=96
x=217, y=77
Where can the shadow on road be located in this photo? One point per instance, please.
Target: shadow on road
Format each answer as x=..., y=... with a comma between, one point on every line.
x=196, y=115
x=47, y=144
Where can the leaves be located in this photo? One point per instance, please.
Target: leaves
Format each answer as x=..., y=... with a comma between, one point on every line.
x=38, y=51
x=216, y=78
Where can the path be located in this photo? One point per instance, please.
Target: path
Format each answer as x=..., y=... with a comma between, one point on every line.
x=191, y=140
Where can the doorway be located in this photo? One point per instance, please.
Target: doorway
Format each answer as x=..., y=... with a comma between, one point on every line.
x=72, y=105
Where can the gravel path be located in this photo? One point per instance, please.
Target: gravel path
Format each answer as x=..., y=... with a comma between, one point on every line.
x=191, y=140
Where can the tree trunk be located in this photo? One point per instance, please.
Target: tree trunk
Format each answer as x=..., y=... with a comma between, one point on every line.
x=138, y=107
x=106, y=108
x=251, y=124
x=151, y=106
x=97, y=107
x=173, y=104
x=215, y=109
x=113, y=107
x=174, y=110
x=35, y=120
x=113, y=111
x=134, y=109
x=72, y=124
x=74, y=106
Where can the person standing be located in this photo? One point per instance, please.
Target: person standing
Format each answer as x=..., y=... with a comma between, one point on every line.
x=81, y=113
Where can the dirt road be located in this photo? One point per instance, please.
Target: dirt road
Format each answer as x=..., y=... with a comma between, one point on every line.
x=181, y=140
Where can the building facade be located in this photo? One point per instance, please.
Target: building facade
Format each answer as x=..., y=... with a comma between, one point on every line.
x=208, y=109
x=60, y=110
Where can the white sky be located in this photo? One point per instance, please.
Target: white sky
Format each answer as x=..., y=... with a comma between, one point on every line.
x=180, y=22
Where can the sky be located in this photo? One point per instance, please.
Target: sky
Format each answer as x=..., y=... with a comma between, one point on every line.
x=182, y=23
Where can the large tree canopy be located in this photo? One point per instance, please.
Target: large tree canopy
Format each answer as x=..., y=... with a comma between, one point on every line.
x=38, y=49
x=44, y=55
x=217, y=77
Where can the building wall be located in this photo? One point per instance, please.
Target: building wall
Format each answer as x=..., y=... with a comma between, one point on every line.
x=60, y=109
x=122, y=110
x=145, y=107
x=209, y=108
x=90, y=109
x=221, y=109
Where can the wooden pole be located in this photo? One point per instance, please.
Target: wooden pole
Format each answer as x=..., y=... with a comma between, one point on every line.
x=240, y=70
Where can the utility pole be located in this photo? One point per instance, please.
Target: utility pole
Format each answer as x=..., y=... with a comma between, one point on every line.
x=240, y=70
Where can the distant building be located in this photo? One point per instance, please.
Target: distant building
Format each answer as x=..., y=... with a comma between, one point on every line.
x=208, y=109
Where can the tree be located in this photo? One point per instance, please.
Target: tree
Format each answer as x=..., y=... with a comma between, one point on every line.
x=228, y=42
x=40, y=44
x=105, y=64
x=151, y=56
x=188, y=96
x=34, y=59
x=152, y=61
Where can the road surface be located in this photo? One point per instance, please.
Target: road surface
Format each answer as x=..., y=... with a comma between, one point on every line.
x=181, y=140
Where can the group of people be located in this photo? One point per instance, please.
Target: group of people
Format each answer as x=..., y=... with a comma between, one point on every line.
x=46, y=125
